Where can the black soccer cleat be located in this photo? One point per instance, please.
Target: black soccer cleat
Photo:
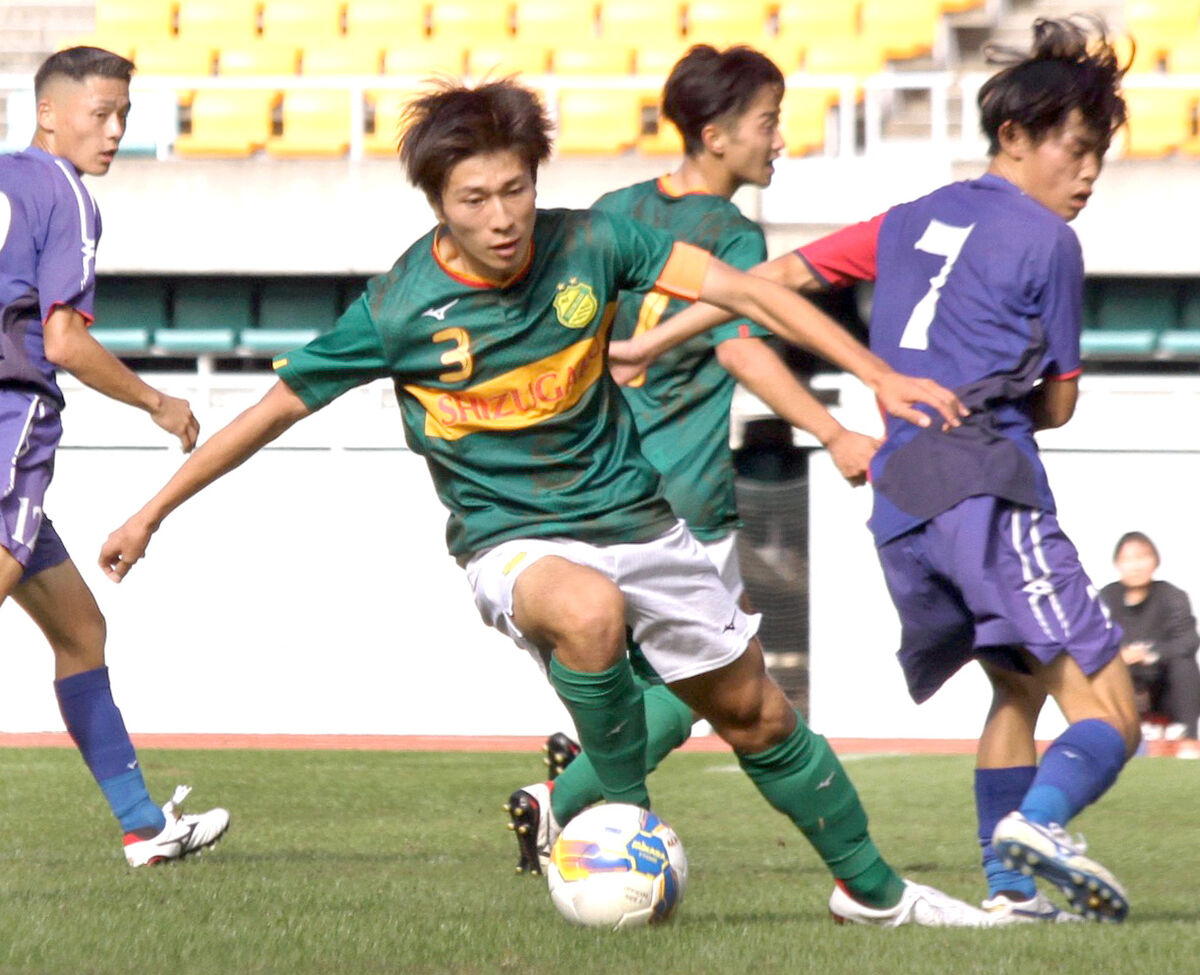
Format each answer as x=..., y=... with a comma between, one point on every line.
x=530, y=819
x=560, y=751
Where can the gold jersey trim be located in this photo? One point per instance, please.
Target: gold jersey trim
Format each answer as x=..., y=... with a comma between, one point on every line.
x=521, y=398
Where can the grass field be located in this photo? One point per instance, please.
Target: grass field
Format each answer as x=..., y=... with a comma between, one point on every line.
x=366, y=862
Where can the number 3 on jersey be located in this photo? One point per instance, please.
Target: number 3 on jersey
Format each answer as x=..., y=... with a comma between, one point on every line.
x=946, y=241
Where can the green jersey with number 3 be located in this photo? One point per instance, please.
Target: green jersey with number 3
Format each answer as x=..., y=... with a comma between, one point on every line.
x=504, y=388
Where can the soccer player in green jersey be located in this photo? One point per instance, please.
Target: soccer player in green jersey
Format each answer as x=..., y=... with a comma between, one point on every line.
x=726, y=106
x=493, y=328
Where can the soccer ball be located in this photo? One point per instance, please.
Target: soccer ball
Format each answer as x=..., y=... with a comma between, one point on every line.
x=617, y=866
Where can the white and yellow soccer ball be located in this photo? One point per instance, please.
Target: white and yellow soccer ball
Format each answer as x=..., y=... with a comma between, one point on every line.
x=617, y=866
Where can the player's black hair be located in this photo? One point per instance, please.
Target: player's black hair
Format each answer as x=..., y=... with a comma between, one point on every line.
x=1135, y=537
x=453, y=122
x=1067, y=68
x=81, y=63
x=707, y=85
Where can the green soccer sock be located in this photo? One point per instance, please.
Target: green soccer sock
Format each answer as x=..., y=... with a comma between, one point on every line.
x=668, y=725
x=611, y=720
x=803, y=779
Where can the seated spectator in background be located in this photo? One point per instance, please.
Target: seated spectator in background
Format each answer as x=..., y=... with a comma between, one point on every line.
x=1160, y=638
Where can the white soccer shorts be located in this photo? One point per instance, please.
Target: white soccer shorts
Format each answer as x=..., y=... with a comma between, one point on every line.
x=724, y=555
x=681, y=614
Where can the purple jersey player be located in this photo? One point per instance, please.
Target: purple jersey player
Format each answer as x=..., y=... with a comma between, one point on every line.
x=49, y=226
x=979, y=286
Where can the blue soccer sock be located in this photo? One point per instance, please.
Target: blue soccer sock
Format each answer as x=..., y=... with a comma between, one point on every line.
x=998, y=791
x=1078, y=768
x=95, y=723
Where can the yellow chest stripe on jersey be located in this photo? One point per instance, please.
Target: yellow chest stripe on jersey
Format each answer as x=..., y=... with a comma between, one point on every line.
x=521, y=398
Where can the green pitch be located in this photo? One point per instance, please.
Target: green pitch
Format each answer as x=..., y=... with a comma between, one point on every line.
x=357, y=862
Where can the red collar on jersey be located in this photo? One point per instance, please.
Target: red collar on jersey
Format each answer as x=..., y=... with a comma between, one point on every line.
x=472, y=280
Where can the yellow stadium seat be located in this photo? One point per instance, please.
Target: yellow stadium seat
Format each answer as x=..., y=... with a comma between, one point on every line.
x=658, y=61
x=591, y=59
x=1161, y=121
x=1184, y=57
x=173, y=57
x=1157, y=26
x=658, y=136
x=900, y=30
x=425, y=58
x=342, y=57
x=847, y=55
x=596, y=121
x=257, y=58
x=316, y=122
x=621, y=20
x=228, y=123
x=787, y=55
x=810, y=22
x=218, y=22
x=134, y=22
x=386, y=22
x=555, y=22
x=386, y=113
x=803, y=118
x=722, y=23
x=302, y=23
x=470, y=21
x=499, y=59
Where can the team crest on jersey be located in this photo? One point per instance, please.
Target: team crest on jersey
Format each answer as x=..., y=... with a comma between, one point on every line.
x=575, y=304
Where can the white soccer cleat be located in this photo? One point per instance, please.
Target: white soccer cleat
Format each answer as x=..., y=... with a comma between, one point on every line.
x=1003, y=909
x=531, y=817
x=921, y=905
x=182, y=835
x=1049, y=852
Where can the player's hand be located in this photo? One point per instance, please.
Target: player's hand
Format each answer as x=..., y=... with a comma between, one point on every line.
x=124, y=548
x=852, y=452
x=899, y=394
x=175, y=416
x=1136, y=652
x=626, y=361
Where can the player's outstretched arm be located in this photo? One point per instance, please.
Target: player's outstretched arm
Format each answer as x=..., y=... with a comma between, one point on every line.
x=70, y=346
x=798, y=321
x=629, y=358
x=228, y=448
x=756, y=366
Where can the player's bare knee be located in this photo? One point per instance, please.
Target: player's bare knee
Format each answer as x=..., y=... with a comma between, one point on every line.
x=588, y=632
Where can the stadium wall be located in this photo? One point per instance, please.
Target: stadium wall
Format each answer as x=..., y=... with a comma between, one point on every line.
x=267, y=216
x=309, y=591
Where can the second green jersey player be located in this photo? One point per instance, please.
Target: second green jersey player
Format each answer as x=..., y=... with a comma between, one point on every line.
x=532, y=447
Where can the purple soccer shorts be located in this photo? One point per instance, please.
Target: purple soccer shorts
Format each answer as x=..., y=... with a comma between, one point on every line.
x=985, y=579
x=30, y=429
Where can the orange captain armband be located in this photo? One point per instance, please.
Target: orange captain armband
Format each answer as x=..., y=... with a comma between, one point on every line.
x=683, y=274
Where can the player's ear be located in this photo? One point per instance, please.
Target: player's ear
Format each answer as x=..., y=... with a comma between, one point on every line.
x=1014, y=139
x=45, y=114
x=714, y=138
